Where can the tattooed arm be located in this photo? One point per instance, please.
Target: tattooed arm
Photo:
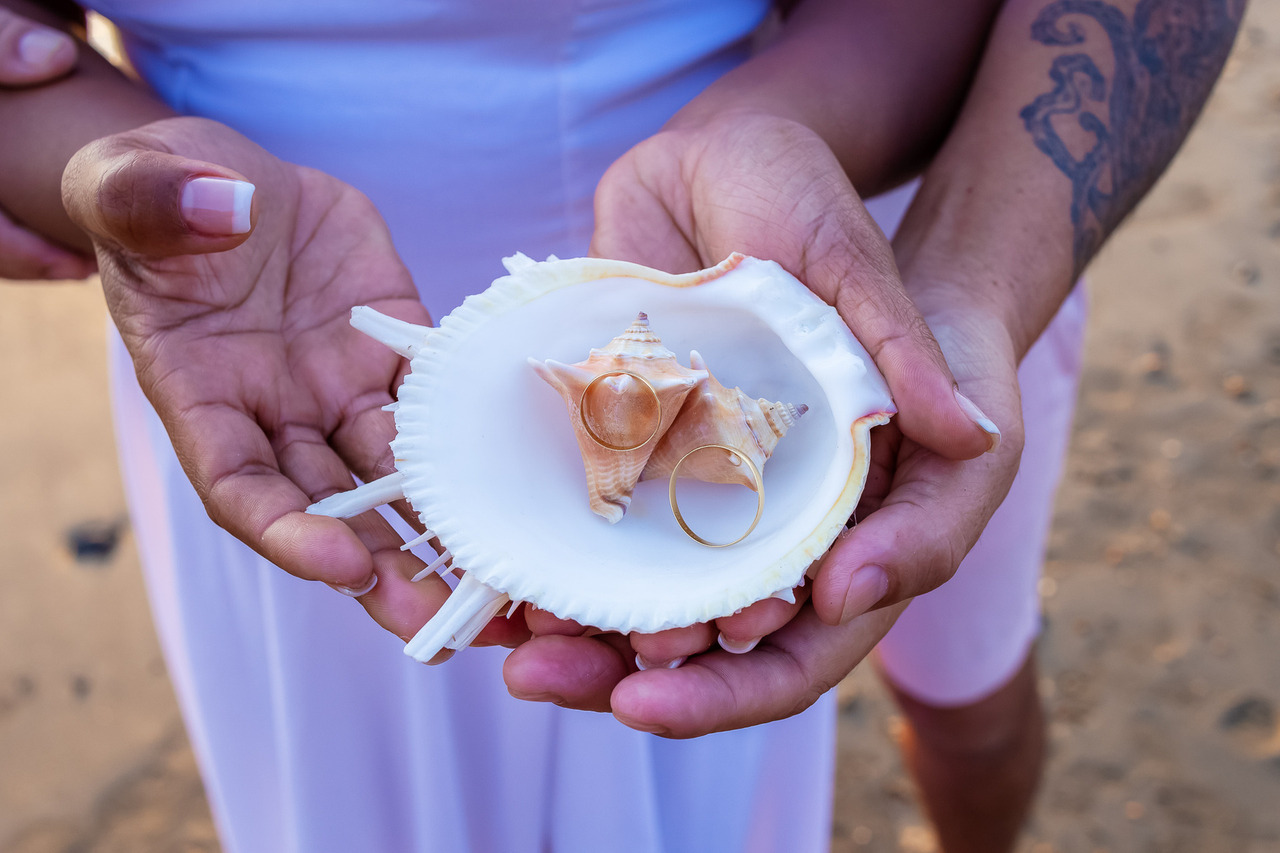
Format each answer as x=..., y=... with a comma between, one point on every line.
x=1078, y=107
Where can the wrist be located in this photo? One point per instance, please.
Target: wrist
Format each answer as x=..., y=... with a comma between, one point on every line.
x=978, y=305
x=961, y=247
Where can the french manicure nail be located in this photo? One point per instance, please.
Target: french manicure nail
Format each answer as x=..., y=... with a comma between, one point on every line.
x=37, y=47
x=866, y=587
x=356, y=592
x=735, y=648
x=642, y=664
x=217, y=206
x=978, y=417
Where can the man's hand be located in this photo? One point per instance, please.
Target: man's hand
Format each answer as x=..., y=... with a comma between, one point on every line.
x=919, y=515
x=770, y=188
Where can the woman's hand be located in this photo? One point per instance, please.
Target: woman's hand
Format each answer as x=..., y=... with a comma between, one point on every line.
x=231, y=276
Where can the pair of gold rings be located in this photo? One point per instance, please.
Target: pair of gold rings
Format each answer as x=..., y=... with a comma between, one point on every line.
x=675, y=471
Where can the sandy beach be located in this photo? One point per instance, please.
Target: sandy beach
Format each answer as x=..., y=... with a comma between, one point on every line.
x=1160, y=651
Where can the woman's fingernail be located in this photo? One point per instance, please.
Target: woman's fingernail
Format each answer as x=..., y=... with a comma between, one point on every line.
x=978, y=417
x=356, y=592
x=867, y=586
x=217, y=206
x=441, y=656
x=736, y=648
x=642, y=664
x=38, y=47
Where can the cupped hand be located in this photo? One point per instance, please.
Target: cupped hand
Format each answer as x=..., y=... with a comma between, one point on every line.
x=767, y=187
x=29, y=56
x=231, y=276
x=919, y=516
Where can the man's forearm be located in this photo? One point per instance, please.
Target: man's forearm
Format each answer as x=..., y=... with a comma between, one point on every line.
x=879, y=81
x=1077, y=109
x=41, y=127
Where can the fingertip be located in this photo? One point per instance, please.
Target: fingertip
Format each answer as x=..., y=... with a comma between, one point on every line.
x=357, y=591
x=866, y=588
x=932, y=414
x=640, y=702
x=318, y=548
x=544, y=622
x=979, y=419
x=577, y=672
x=737, y=647
x=644, y=665
x=745, y=628
x=38, y=55
x=398, y=605
x=673, y=646
x=847, y=585
x=674, y=703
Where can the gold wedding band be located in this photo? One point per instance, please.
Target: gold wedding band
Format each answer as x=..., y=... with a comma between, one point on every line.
x=755, y=475
x=582, y=411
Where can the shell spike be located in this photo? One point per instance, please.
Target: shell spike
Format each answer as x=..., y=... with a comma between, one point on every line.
x=405, y=338
x=426, y=536
x=639, y=341
x=565, y=378
x=781, y=416
x=362, y=498
x=464, y=614
x=434, y=567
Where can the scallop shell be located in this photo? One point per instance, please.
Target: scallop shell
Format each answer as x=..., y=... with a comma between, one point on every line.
x=714, y=414
x=622, y=409
x=488, y=460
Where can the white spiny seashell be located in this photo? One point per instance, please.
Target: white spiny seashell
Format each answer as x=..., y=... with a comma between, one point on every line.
x=489, y=461
x=714, y=414
x=621, y=409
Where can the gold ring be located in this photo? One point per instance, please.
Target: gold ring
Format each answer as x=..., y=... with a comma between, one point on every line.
x=755, y=475
x=582, y=411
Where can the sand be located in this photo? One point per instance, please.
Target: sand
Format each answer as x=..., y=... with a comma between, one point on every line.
x=1160, y=655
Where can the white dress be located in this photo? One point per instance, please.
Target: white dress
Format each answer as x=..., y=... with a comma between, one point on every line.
x=478, y=128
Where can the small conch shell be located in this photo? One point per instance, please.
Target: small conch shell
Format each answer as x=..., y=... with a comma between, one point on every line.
x=714, y=414
x=621, y=409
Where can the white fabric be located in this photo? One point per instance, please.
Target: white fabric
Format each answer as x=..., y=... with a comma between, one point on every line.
x=314, y=732
x=478, y=127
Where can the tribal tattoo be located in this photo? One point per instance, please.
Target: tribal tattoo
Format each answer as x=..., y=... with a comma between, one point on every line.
x=1166, y=61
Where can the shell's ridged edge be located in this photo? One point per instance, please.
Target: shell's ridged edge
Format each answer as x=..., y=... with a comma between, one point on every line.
x=529, y=280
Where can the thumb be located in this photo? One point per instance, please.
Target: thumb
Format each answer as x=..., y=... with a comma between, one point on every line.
x=857, y=274
x=30, y=53
x=154, y=203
